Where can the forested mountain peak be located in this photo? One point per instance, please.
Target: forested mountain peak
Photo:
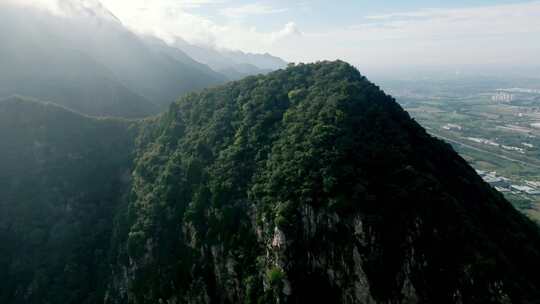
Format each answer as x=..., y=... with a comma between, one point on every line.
x=311, y=184
x=308, y=184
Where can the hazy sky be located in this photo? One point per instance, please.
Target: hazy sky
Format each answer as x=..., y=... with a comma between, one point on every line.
x=368, y=33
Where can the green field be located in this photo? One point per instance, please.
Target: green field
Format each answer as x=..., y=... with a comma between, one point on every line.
x=497, y=137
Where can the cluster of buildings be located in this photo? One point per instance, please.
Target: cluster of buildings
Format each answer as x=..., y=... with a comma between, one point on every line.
x=516, y=128
x=520, y=90
x=503, y=184
x=452, y=127
x=495, y=144
x=502, y=97
x=483, y=141
x=512, y=148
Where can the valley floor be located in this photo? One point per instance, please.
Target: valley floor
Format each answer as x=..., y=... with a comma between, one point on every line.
x=495, y=130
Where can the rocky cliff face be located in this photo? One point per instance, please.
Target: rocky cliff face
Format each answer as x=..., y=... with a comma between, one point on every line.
x=312, y=185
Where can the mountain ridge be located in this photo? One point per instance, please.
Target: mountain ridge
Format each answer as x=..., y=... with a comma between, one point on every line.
x=234, y=64
x=311, y=184
x=306, y=184
x=55, y=68
x=98, y=67
x=63, y=176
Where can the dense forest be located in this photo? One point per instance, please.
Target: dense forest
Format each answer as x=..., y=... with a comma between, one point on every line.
x=309, y=184
x=62, y=177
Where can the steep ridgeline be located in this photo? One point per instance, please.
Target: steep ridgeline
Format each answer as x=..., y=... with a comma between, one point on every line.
x=86, y=60
x=311, y=185
x=62, y=177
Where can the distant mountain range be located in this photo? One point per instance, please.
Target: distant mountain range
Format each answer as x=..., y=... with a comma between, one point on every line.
x=88, y=61
x=233, y=64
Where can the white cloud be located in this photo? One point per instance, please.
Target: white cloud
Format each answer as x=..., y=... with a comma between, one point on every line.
x=250, y=10
x=49, y=5
x=489, y=34
x=485, y=35
x=169, y=19
x=463, y=23
x=166, y=19
x=289, y=30
x=497, y=34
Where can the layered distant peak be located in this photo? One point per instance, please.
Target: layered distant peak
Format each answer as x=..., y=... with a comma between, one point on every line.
x=262, y=61
x=85, y=59
x=234, y=64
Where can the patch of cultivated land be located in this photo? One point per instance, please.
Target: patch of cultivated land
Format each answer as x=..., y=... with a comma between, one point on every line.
x=497, y=138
